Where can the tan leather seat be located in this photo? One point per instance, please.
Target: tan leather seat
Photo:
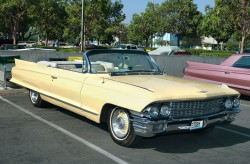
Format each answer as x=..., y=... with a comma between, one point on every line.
x=97, y=68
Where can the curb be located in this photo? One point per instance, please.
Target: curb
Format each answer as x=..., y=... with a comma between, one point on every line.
x=7, y=92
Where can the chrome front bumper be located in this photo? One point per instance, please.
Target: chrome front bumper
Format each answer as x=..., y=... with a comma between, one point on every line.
x=147, y=128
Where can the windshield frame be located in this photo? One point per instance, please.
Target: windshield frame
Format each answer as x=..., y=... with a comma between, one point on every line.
x=88, y=65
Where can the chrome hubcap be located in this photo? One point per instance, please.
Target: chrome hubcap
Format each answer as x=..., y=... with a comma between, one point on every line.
x=120, y=123
x=33, y=96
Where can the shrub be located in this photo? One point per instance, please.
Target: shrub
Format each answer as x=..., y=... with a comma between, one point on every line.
x=199, y=52
x=68, y=49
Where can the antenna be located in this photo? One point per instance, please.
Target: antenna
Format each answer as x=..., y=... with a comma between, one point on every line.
x=103, y=80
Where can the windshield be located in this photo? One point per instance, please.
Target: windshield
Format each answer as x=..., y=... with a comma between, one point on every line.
x=121, y=61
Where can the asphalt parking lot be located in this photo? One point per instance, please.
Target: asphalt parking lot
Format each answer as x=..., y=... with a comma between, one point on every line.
x=55, y=135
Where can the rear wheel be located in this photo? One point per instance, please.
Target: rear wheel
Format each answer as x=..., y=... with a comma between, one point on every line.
x=121, y=129
x=36, y=99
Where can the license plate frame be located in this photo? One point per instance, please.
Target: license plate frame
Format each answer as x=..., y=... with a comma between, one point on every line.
x=196, y=125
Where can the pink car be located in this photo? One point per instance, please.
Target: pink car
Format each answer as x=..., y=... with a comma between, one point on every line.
x=234, y=72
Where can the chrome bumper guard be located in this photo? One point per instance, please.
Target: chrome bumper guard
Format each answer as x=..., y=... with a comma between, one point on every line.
x=147, y=128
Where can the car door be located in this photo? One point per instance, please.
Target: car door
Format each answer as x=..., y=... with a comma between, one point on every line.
x=66, y=86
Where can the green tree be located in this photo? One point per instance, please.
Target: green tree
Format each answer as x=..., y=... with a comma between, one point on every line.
x=228, y=18
x=115, y=26
x=238, y=14
x=12, y=12
x=180, y=17
x=144, y=26
x=217, y=25
x=26, y=27
x=96, y=14
x=189, y=42
x=102, y=19
x=134, y=33
x=5, y=32
x=73, y=29
x=50, y=19
x=232, y=45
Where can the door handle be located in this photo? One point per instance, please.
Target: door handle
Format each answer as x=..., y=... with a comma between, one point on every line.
x=53, y=77
x=227, y=72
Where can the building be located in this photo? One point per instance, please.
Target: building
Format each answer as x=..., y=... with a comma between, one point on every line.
x=167, y=39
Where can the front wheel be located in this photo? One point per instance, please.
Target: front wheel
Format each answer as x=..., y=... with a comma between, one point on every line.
x=121, y=129
x=36, y=99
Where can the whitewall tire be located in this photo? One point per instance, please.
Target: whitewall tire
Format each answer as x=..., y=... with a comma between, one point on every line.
x=121, y=129
x=36, y=99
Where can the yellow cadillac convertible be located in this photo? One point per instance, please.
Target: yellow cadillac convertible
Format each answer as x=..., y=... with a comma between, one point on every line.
x=128, y=91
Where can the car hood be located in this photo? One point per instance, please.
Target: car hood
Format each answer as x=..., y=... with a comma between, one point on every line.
x=168, y=87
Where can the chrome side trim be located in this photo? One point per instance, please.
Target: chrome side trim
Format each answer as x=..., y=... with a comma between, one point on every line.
x=70, y=104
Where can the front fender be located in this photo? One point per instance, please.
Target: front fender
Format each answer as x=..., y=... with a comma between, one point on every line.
x=97, y=92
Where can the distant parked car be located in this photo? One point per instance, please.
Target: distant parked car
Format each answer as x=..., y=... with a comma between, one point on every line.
x=168, y=50
x=28, y=44
x=129, y=47
x=92, y=47
x=11, y=47
x=66, y=45
x=234, y=72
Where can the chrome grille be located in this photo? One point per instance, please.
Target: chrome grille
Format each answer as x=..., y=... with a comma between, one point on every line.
x=189, y=109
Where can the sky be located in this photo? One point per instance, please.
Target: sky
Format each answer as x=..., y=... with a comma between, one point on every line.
x=138, y=6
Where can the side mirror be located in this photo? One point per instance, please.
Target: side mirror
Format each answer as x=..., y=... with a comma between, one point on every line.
x=164, y=71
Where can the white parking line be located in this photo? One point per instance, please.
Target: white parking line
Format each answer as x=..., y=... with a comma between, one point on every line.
x=233, y=131
x=245, y=104
x=83, y=141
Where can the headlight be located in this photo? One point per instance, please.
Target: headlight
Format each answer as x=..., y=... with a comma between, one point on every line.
x=165, y=110
x=228, y=104
x=236, y=103
x=153, y=111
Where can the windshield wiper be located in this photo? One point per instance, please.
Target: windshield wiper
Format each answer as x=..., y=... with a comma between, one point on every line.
x=145, y=70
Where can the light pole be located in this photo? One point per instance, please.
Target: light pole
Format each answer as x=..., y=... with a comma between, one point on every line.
x=82, y=27
x=153, y=37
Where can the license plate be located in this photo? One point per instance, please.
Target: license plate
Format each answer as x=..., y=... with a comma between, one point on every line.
x=196, y=125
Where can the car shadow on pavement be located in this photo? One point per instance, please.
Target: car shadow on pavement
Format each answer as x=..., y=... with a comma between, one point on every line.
x=79, y=117
x=180, y=143
x=192, y=142
x=243, y=97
